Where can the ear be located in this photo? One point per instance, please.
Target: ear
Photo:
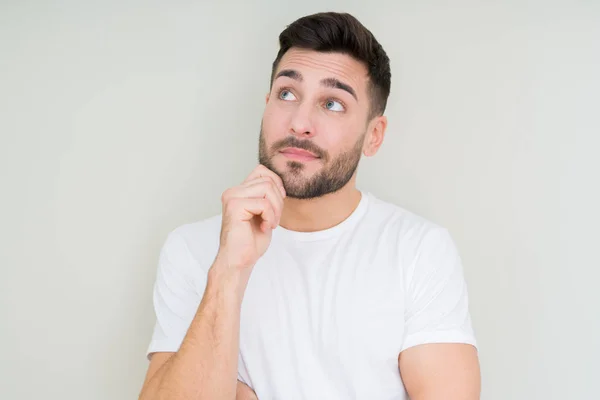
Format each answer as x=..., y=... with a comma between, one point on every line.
x=374, y=139
x=267, y=97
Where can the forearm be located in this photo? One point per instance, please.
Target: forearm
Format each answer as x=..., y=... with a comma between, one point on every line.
x=205, y=367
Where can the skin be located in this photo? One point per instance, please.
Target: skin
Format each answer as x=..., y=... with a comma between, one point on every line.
x=332, y=120
x=303, y=110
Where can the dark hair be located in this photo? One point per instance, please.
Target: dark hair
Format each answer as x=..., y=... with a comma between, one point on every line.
x=343, y=33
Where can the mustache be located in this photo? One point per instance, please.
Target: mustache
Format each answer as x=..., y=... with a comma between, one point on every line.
x=292, y=141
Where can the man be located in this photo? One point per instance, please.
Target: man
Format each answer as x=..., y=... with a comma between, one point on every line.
x=305, y=287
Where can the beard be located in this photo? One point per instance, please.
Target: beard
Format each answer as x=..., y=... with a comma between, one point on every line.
x=333, y=176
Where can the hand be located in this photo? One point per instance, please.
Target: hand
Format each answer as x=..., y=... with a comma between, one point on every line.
x=250, y=213
x=244, y=392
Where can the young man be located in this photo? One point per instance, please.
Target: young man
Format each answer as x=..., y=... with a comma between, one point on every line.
x=305, y=287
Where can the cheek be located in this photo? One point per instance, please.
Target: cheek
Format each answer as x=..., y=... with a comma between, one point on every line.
x=274, y=121
x=335, y=135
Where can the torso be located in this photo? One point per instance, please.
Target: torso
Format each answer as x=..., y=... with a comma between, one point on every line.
x=324, y=319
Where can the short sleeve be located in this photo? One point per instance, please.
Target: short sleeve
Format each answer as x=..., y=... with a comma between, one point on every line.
x=179, y=287
x=437, y=304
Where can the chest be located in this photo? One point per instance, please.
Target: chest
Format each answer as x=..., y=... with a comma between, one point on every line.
x=323, y=321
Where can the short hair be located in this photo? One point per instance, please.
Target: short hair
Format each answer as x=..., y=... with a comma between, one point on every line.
x=342, y=33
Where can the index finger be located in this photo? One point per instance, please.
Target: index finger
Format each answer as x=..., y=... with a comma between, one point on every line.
x=261, y=171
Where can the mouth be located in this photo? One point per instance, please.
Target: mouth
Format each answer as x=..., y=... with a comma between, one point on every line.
x=297, y=154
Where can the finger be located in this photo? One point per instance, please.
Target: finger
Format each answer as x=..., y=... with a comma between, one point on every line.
x=262, y=171
x=246, y=209
x=265, y=187
x=259, y=188
x=265, y=227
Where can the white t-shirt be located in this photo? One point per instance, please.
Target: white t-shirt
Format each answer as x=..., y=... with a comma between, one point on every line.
x=326, y=314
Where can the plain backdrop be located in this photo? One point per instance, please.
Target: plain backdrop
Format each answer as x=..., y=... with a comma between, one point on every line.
x=120, y=121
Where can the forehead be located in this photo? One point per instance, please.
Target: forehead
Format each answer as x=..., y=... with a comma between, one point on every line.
x=319, y=65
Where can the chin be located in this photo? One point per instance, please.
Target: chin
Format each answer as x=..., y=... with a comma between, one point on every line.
x=296, y=181
x=298, y=169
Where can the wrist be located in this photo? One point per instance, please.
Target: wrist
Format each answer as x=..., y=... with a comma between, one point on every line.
x=232, y=280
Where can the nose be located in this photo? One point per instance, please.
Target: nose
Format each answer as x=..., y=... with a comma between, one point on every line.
x=301, y=123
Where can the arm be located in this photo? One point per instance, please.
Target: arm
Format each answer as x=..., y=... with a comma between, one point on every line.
x=438, y=359
x=441, y=371
x=243, y=391
x=205, y=367
x=206, y=335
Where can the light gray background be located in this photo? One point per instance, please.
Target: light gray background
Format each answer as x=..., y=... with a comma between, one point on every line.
x=120, y=121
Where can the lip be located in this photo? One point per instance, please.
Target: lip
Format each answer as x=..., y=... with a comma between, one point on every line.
x=298, y=154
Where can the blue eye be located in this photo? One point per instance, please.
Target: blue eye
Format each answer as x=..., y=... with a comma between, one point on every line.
x=333, y=105
x=286, y=95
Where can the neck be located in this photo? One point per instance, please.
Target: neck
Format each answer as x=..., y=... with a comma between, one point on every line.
x=310, y=215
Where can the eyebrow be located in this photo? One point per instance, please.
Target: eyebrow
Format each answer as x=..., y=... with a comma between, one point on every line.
x=336, y=84
x=290, y=73
x=328, y=82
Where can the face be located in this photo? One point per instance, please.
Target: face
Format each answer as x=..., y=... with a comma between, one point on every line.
x=315, y=125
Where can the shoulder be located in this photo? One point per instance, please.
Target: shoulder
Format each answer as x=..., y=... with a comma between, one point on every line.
x=197, y=240
x=424, y=249
x=410, y=238
x=199, y=230
x=405, y=226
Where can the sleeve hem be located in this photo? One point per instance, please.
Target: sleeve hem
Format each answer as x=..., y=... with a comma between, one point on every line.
x=454, y=336
x=160, y=346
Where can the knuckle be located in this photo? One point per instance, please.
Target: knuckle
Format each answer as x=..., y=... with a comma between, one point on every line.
x=267, y=180
x=266, y=205
x=266, y=186
x=226, y=195
x=267, y=171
